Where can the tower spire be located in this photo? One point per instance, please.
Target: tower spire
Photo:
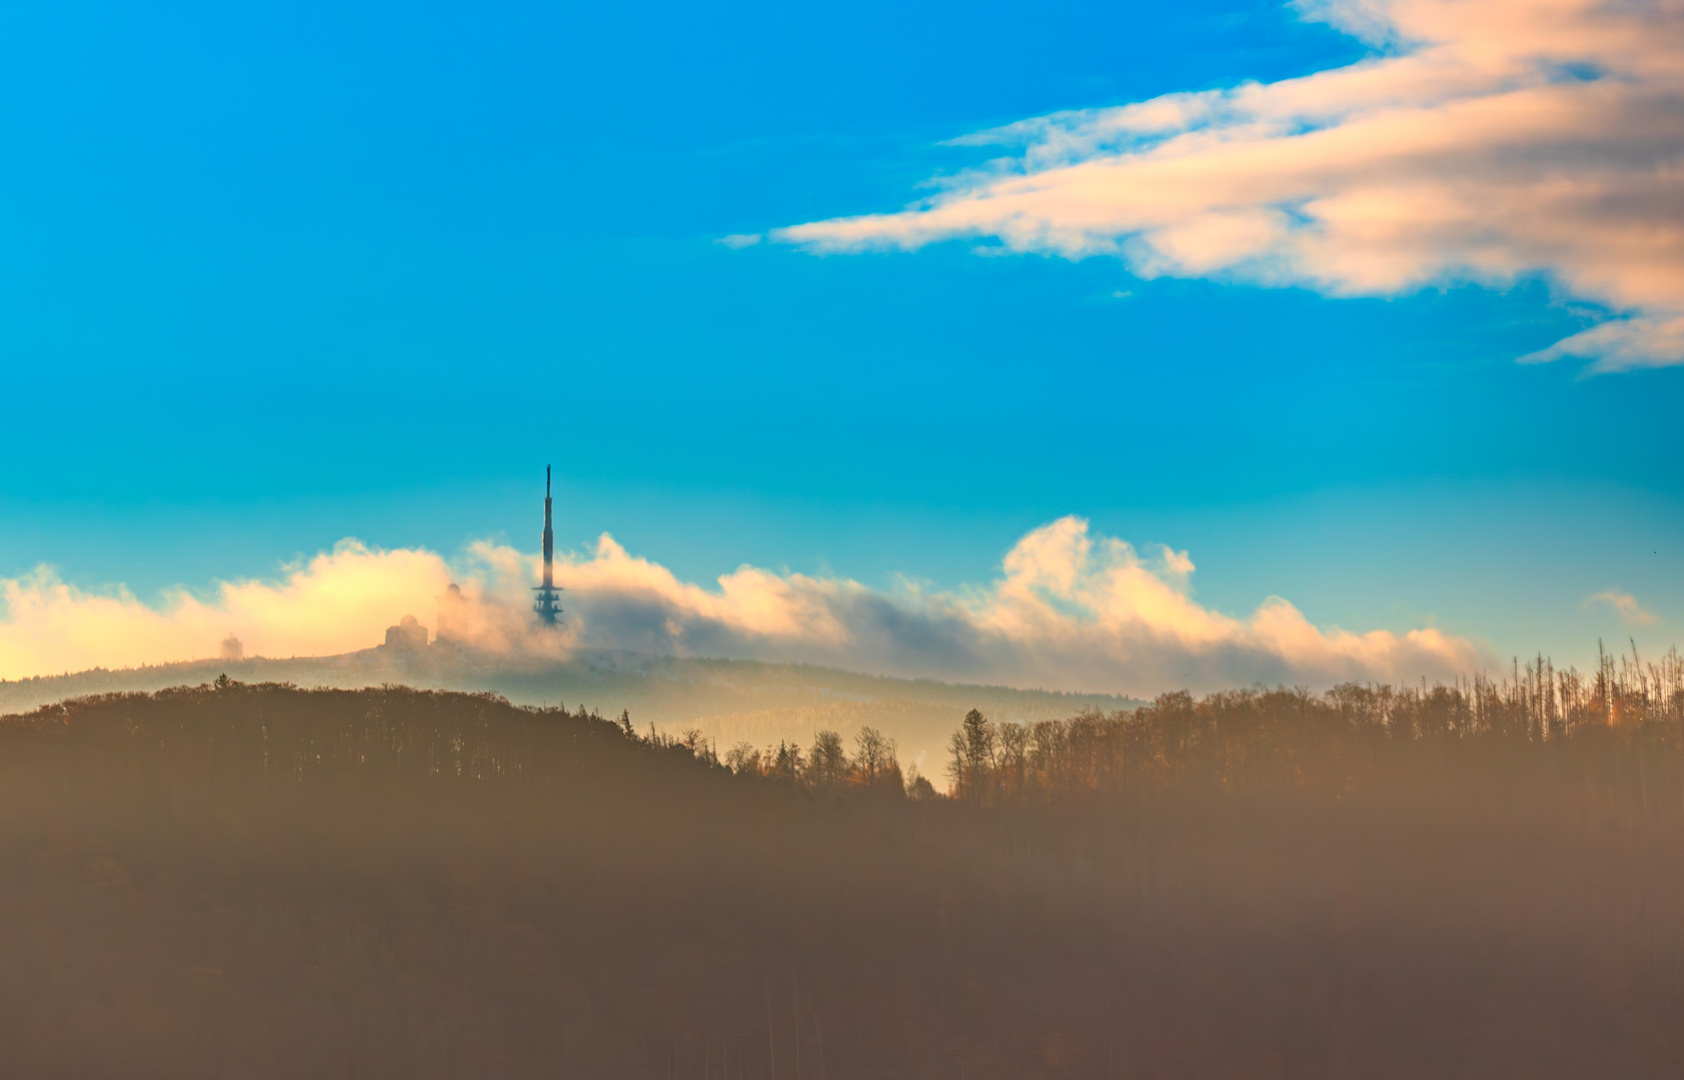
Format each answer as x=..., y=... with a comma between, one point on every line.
x=548, y=603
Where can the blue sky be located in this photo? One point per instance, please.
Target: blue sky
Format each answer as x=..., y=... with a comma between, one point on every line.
x=298, y=272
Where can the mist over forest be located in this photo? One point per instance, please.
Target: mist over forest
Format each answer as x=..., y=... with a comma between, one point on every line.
x=727, y=701
x=258, y=879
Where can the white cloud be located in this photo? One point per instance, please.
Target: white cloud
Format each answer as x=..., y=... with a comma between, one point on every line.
x=1624, y=605
x=1494, y=139
x=1069, y=610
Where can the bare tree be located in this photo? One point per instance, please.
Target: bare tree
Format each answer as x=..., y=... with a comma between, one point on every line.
x=829, y=763
x=1014, y=758
x=874, y=752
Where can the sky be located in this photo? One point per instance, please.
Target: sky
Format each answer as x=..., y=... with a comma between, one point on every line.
x=1372, y=309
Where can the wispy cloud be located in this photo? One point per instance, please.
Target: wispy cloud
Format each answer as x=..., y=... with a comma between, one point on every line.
x=1069, y=609
x=1486, y=140
x=1623, y=604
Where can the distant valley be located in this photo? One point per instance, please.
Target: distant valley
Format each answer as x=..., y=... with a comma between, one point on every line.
x=728, y=701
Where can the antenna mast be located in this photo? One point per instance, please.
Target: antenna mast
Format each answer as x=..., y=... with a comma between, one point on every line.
x=548, y=603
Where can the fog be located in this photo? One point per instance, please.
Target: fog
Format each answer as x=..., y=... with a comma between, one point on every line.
x=267, y=881
x=724, y=701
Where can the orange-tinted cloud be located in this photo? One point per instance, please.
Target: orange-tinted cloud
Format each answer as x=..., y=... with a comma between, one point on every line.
x=1069, y=609
x=1624, y=605
x=1485, y=141
x=336, y=602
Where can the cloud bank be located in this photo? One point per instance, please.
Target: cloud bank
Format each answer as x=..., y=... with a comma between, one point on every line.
x=1486, y=141
x=334, y=603
x=1069, y=610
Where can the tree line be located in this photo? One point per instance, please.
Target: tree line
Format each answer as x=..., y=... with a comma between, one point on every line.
x=1480, y=879
x=1244, y=741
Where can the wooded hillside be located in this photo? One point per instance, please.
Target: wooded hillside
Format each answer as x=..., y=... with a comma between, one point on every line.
x=264, y=881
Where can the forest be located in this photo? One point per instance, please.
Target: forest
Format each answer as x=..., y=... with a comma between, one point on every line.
x=1477, y=880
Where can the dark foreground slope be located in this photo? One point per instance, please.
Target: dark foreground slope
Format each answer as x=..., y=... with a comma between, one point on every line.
x=262, y=881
